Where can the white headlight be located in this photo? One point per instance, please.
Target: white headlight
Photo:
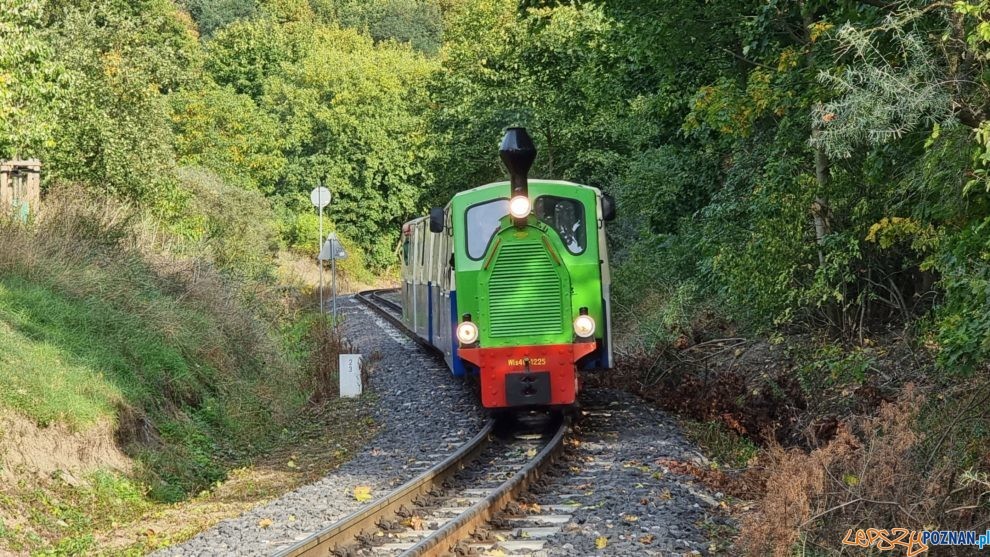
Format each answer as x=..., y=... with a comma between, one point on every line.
x=584, y=326
x=519, y=207
x=467, y=333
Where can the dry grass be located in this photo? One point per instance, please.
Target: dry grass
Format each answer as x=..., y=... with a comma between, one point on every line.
x=872, y=474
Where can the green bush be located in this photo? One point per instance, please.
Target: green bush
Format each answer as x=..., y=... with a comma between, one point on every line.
x=233, y=227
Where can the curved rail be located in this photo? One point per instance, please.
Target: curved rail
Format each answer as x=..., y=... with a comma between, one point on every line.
x=462, y=526
x=324, y=542
x=377, y=295
x=374, y=300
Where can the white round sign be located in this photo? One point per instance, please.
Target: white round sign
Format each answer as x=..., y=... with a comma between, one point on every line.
x=320, y=197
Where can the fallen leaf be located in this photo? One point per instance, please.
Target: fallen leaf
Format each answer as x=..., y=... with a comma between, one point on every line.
x=647, y=539
x=264, y=523
x=630, y=517
x=416, y=523
x=601, y=542
x=666, y=494
x=362, y=493
x=850, y=480
x=290, y=464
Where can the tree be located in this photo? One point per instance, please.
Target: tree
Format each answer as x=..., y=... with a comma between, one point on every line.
x=228, y=133
x=27, y=76
x=211, y=15
x=351, y=114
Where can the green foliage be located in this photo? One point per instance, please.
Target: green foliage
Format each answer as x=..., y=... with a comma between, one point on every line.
x=408, y=21
x=27, y=72
x=226, y=132
x=727, y=447
x=110, y=114
x=368, y=144
x=302, y=233
x=211, y=15
x=246, y=53
x=791, y=170
x=963, y=323
x=233, y=228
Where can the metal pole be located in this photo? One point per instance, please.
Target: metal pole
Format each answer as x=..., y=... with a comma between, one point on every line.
x=319, y=248
x=333, y=274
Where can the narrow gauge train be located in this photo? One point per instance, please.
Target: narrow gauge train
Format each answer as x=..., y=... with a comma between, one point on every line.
x=511, y=282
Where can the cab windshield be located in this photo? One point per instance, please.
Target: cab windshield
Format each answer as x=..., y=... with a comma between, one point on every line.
x=566, y=217
x=482, y=223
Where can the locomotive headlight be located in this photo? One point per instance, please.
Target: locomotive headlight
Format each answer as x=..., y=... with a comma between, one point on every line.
x=584, y=326
x=467, y=333
x=519, y=207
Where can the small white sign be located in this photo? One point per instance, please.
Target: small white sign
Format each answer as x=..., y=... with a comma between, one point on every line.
x=320, y=197
x=350, y=375
x=332, y=249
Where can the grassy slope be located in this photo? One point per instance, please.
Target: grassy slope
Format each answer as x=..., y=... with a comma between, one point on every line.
x=99, y=329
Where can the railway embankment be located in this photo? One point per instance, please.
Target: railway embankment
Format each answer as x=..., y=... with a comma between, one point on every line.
x=143, y=394
x=809, y=434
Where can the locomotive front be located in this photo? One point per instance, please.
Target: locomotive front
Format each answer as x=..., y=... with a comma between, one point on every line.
x=532, y=283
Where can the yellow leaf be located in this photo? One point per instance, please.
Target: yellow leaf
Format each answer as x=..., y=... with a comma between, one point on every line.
x=850, y=480
x=362, y=493
x=290, y=464
x=264, y=523
x=630, y=517
x=601, y=542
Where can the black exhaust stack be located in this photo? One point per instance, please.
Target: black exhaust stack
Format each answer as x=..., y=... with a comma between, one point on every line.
x=518, y=153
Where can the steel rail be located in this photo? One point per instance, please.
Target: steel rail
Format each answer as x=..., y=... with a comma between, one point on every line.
x=386, y=302
x=370, y=298
x=464, y=525
x=343, y=532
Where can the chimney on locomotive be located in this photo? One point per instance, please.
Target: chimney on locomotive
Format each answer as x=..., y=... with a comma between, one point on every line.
x=518, y=153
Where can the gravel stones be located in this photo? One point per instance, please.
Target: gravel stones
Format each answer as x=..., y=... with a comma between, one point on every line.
x=631, y=504
x=424, y=414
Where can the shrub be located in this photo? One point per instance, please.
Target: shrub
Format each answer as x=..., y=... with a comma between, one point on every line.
x=874, y=473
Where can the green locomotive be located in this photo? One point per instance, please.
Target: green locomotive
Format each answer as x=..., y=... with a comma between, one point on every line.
x=511, y=282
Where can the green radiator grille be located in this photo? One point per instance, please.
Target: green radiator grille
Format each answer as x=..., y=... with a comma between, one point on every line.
x=524, y=292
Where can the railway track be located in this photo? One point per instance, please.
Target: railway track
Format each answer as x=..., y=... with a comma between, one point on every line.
x=377, y=300
x=465, y=505
x=455, y=506
x=391, y=311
